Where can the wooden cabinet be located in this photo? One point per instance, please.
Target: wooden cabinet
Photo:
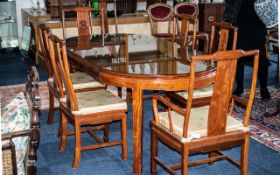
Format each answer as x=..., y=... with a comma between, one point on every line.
x=33, y=18
x=208, y=13
x=54, y=7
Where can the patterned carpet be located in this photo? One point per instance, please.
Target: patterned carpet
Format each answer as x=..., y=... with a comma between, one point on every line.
x=265, y=125
x=264, y=129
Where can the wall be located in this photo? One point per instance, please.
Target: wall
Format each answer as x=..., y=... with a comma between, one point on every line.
x=28, y=4
x=24, y=4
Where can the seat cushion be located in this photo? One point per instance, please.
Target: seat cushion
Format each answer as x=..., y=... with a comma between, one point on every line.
x=199, y=93
x=16, y=117
x=197, y=123
x=82, y=80
x=98, y=101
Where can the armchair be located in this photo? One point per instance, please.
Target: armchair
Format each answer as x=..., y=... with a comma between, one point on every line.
x=20, y=129
x=208, y=128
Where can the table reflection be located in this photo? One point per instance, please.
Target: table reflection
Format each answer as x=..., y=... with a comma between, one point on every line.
x=115, y=54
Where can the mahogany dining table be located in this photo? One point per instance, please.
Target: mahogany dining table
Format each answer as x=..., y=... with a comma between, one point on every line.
x=110, y=60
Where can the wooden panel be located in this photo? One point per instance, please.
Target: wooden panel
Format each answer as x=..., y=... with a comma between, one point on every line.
x=208, y=13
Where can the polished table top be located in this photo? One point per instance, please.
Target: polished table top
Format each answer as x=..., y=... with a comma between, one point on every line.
x=108, y=53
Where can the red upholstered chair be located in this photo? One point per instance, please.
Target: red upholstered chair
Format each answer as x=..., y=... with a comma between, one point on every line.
x=160, y=12
x=192, y=10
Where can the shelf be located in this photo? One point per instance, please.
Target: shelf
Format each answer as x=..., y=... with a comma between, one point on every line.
x=7, y=22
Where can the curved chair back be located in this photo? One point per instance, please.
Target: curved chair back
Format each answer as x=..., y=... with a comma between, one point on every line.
x=186, y=8
x=159, y=12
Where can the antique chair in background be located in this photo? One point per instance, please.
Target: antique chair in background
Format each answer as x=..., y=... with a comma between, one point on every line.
x=81, y=81
x=209, y=128
x=87, y=111
x=20, y=129
x=84, y=20
x=191, y=9
x=219, y=37
x=182, y=37
x=160, y=12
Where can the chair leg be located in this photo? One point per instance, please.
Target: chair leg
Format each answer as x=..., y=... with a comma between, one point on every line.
x=210, y=155
x=119, y=92
x=63, y=136
x=206, y=42
x=184, y=53
x=244, y=156
x=184, y=160
x=154, y=153
x=77, y=153
x=59, y=132
x=51, y=108
x=124, y=137
x=106, y=133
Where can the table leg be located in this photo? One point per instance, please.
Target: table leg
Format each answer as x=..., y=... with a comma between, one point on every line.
x=137, y=109
x=36, y=42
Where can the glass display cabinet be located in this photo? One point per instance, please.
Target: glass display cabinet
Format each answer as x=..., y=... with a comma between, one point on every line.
x=8, y=24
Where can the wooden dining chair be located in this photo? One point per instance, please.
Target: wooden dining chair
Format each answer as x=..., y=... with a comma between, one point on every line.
x=87, y=111
x=220, y=37
x=84, y=20
x=160, y=12
x=81, y=80
x=183, y=35
x=191, y=9
x=209, y=128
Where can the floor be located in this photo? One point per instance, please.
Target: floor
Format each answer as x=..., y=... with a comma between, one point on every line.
x=13, y=67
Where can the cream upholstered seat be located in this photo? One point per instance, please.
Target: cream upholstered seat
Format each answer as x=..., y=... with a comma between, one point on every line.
x=98, y=101
x=197, y=124
x=199, y=93
x=82, y=80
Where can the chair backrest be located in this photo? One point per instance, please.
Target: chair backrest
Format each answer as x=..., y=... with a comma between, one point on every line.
x=187, y=14
x=186, y=8
x=159, y=12
x=220, y=37
x=226, y=62
x=59, y=57
x=84, y=19
x=43, y=32
x=187, y=21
